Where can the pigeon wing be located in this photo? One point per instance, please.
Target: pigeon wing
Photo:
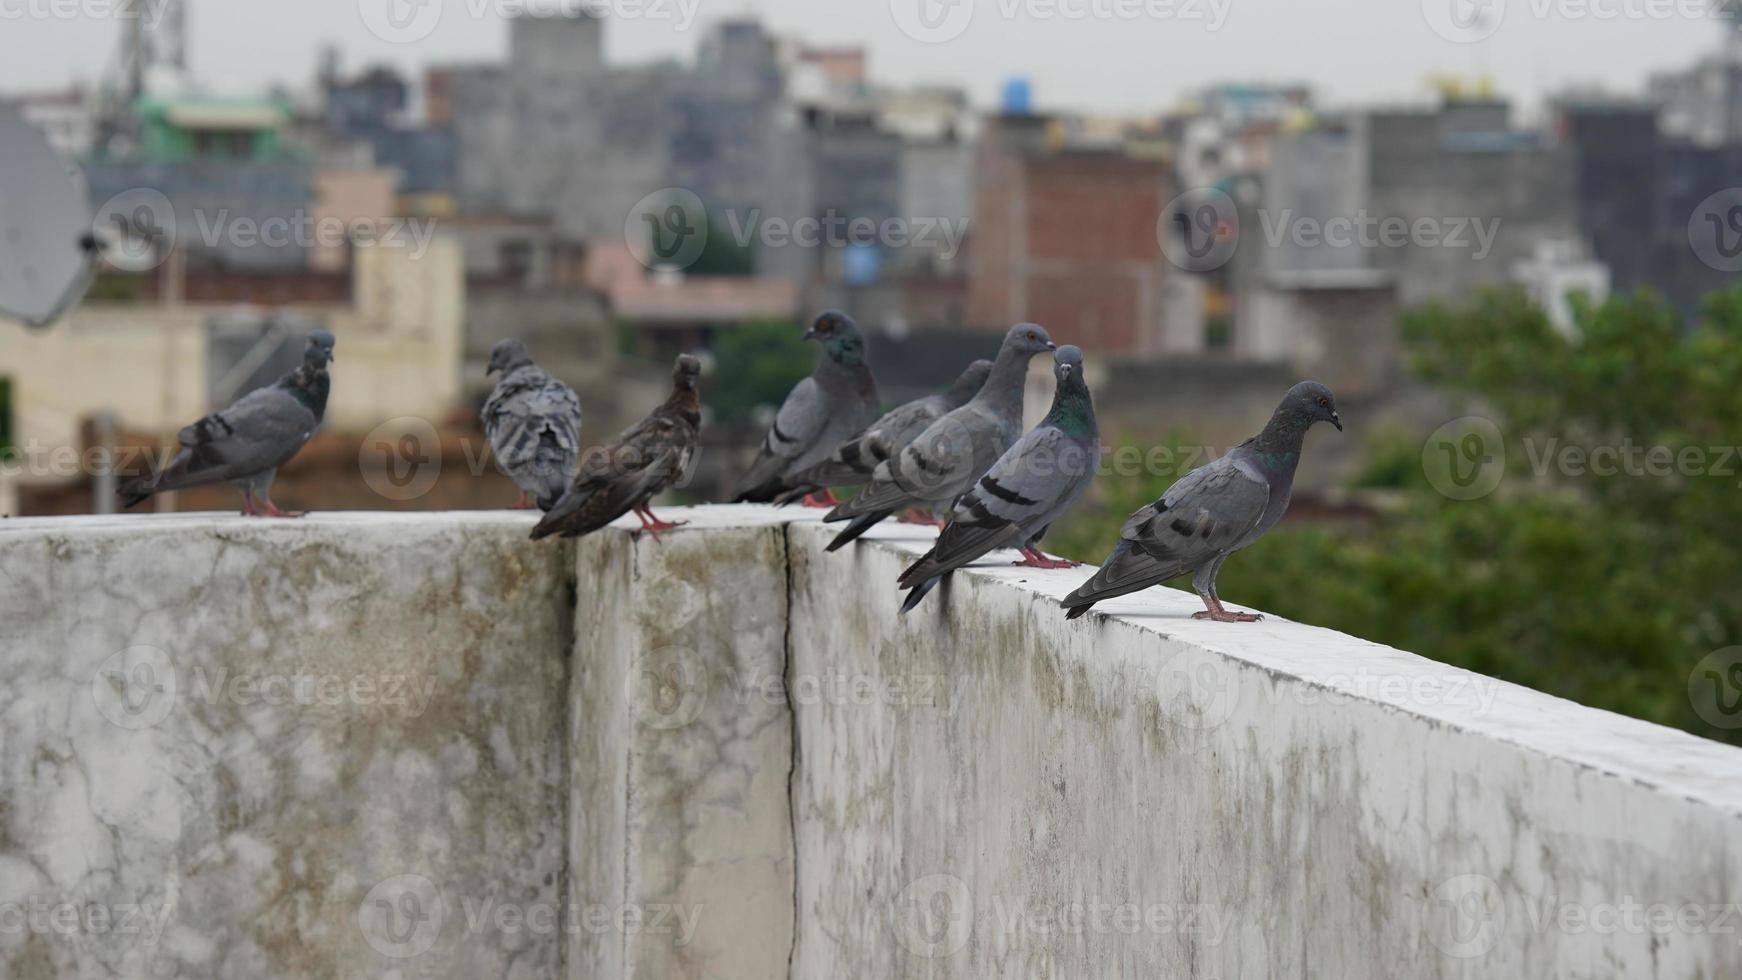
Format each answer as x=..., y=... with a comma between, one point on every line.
x=1207, y=513
x=796, y=428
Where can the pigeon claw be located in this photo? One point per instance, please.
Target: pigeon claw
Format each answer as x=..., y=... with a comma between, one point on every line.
x=653, y=525
x=1224, y=616
x=824, y=501
x=1036, y=559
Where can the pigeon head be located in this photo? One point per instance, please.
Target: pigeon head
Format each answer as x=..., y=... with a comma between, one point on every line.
x=1068, y=364
x=319, y=351
x=1029, y=338
x=507, y=355
x=1311, y=402
x=686, y=371
x=840, y=337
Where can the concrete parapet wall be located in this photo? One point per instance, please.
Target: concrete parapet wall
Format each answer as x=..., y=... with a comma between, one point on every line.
x=422, y=746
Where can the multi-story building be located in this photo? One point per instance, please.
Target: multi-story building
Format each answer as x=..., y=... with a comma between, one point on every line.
x=1067, y=237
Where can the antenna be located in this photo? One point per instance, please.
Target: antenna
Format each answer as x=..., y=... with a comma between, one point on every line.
x=153, y=42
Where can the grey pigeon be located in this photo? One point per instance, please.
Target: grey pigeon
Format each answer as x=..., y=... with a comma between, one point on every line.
x=247, y=442
x=1029, y=487
x=645, y=459
x=945, y=460
x=533, y=422
x=853, y=461
x=822, y=411
x=1213, y=511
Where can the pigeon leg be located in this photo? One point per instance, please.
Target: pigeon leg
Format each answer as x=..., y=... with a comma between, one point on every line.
x=827, y=500
x=651, y=523
x=1204, y=584
x=1031, y=558
x=525, y=502
x=270, y=509
x=248, y=508
x=913, y=515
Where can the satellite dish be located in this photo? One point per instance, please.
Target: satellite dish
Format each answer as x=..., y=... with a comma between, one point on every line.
x=47, y=250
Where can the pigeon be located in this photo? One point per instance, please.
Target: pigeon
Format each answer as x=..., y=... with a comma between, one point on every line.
x=533, y=422
x=1212, y=512
x=645, y=459
x=853, y=461
x=838, y=400
x=945, y=460
x=247, y=442
x=1033, y=483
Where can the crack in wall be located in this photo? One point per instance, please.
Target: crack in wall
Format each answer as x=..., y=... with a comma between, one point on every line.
x=785, y=531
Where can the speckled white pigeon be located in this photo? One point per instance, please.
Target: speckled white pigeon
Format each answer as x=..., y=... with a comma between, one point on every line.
x=533, y=422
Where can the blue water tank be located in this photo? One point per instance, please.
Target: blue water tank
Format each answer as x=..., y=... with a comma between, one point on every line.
x=1018, y=97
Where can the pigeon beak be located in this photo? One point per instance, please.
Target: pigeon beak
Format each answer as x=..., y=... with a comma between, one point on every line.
x=1051, y=346
x=811, y=334
x=1337, y=420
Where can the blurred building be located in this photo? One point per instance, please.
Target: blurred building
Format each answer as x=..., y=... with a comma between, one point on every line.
x=1642, y=194
x=67, y=118
x=157, y=364
x=373, y=110
x=1067, y=237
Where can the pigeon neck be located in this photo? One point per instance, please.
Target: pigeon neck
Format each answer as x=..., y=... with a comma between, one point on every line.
x=686, y=402
x=843, y=356
x=309, y=386
x=1073, y=411
x=1003, y=387
x=1282, y=437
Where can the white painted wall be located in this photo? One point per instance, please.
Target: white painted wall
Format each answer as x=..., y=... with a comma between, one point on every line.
x=732, y=758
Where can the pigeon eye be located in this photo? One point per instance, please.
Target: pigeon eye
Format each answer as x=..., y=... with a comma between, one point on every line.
x=1324, y=403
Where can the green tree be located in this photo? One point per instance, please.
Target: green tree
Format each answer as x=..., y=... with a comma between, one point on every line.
x=1604, y=582
x=766, y=359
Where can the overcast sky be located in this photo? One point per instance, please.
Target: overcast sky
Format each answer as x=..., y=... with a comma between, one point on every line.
x=1102, y=55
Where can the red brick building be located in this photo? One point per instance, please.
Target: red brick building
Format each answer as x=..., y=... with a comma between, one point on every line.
x=1066, y=238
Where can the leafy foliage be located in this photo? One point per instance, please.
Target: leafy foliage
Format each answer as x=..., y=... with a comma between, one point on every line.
x=768, y=359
